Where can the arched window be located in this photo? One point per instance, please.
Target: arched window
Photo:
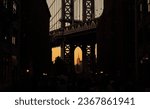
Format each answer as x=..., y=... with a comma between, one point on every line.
x=77, y=55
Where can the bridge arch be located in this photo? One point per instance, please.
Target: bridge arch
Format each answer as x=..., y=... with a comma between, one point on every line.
x=77, y=54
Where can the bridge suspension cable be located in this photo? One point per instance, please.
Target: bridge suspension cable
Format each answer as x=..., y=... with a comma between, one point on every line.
x=52, y=4
x=55, y=14
x=55, y=9
x=54, y=25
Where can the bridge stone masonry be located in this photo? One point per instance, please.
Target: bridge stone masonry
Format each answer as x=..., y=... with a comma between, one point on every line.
x=77, y=33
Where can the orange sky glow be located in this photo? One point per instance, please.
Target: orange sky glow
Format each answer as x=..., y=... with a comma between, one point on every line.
x=57, y=52
x=77, y=53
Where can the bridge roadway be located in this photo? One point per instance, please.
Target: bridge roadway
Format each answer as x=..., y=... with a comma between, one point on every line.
x=77, y=33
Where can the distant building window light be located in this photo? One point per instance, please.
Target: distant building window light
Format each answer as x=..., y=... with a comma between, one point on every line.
x=14, y=59
x=149, y=8
x=5, y=37
x=44, y=74
x=13, y=40
x=148, y=1
x=141, y=7
x=101, y=72
x=5, y=3
x=14, y=7
x=27, y=70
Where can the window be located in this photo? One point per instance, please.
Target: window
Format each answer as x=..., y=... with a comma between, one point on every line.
x=148, y=1
x=14, y=7
x=5, y=3
x=141, y=6
x=13, y=40
x=5, y=37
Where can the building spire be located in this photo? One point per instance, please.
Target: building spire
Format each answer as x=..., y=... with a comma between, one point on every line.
x=78, y=59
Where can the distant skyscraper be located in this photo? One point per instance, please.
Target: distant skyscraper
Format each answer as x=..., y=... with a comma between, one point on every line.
x=78, y=60
x=78, y=66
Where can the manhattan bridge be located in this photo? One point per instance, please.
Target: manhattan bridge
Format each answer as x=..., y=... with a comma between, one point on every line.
x=73, y=24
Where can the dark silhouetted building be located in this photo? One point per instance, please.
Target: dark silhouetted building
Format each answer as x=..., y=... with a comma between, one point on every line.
x=35, y=47
x=143, y=32
x=24, y=41
x=9, y=32
x=122, y=36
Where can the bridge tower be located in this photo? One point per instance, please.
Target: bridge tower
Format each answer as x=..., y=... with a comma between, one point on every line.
x=67, y=12
x=88, y=10
x=88, y=49
x=68, y=47
x=67, y=18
